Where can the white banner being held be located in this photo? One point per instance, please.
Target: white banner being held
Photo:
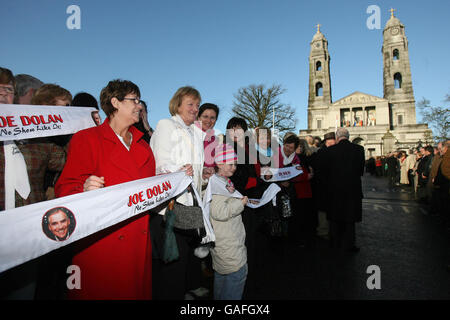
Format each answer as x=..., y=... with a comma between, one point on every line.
x=34, y=230
x=219, y=186
x=25, y=121
x=280, y=174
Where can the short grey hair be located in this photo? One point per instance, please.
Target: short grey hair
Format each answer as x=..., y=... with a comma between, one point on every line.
x=342, y=133
x=25, y=82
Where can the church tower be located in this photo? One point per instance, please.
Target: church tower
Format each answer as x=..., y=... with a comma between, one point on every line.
x=397, y=83
x=319, y=98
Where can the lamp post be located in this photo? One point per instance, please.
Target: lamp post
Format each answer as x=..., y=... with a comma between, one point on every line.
x=273, y=118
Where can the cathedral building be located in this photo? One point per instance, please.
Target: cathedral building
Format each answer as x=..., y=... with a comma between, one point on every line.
x=380, y=125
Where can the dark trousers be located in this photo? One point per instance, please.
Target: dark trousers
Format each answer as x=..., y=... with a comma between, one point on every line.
x=257, y=243
x=411, y=178
x=391, y=179
x=442, y=199
x=303, y=224
x=379, y=171
x=342, y=234
x=173, y=280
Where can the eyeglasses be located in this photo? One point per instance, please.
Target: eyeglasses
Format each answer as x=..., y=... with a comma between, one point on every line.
x=135, y=100
x=7, y=89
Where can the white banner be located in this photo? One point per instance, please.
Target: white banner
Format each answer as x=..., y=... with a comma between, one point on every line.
x=219, y=186
x=269, y=194
x=25, y=121
x=280, y=174
x=34, y=230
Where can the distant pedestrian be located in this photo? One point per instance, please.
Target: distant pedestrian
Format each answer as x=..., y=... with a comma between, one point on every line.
x=378, y=167
x=423, y=173
x=392, y=166
x=403, y=169
x=370, y=166
x=410, y=163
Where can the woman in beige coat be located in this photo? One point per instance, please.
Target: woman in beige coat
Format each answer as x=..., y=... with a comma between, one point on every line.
x=403, y=169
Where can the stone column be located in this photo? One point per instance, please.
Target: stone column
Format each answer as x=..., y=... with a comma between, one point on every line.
x=364, y=117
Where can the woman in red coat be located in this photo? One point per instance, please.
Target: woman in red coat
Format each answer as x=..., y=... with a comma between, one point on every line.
x=115, y=263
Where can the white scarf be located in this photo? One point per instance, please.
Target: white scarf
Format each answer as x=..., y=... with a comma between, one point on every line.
x=196, y=137
x=16, y=175
x=287, y=160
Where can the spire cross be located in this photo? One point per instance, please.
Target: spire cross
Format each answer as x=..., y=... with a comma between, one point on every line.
x=318, y=27
x=392, y=12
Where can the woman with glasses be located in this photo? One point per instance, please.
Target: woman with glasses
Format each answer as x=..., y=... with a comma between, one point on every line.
x=116, y=262
x=7, y=86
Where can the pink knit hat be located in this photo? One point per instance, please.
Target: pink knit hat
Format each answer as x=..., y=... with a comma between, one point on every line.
x=224, y=153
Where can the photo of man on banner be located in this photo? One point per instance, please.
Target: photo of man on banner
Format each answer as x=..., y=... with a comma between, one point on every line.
x=58, y=223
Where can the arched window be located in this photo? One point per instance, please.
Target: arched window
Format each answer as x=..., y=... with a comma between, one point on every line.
x=318, y=66
x=395, y=54
x=397, y=80
x=319, y=89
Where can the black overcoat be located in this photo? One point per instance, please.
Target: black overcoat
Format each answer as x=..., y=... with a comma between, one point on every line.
x=343, y=168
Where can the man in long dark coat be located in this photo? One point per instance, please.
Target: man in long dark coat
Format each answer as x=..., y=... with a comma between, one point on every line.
x=343, y=169
x=319, y=185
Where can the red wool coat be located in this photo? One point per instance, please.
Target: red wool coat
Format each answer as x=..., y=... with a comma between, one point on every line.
x=301, y=182
x=115, y=263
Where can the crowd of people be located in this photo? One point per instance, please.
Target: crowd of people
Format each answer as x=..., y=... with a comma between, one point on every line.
x=423, y=171
x=125, y=261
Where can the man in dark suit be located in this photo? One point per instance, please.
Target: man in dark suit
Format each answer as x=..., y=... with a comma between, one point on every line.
x=343, y=168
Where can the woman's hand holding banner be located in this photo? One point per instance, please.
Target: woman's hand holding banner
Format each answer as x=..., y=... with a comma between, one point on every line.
x=34, y=230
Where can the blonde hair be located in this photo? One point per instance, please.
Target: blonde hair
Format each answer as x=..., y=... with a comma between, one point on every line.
x=177, y=98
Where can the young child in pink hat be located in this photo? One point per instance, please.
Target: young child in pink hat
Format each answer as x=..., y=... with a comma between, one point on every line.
x=229, y=256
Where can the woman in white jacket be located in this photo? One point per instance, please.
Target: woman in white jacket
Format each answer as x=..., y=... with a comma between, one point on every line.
x=178, y=145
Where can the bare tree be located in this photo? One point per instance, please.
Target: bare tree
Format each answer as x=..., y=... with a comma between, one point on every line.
x=438, y=118
x=256, y=104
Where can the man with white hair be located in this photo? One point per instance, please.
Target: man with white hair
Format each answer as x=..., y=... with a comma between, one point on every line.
x=344, y=166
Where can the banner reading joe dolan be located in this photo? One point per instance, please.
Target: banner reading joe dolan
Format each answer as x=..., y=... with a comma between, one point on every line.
x=34, y=230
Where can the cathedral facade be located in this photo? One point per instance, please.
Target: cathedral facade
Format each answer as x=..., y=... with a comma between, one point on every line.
x=380, y=125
